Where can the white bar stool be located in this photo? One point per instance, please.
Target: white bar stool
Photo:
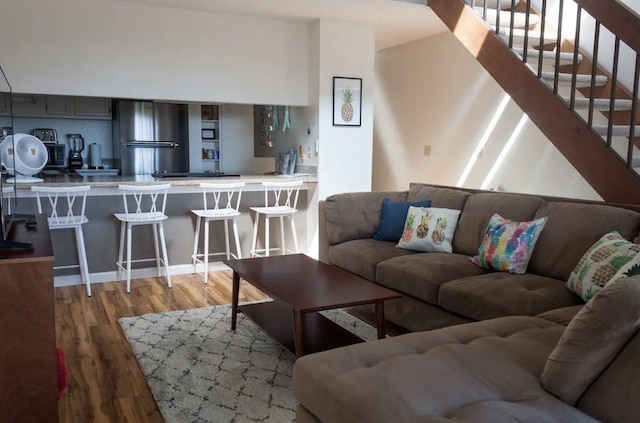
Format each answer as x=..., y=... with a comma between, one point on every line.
x=280, y=200
x=143, y=205
x=7, y=195
x=68, y=213
x=217, y=211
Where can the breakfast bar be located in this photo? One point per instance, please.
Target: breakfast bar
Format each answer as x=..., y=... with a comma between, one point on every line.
x=101, y=233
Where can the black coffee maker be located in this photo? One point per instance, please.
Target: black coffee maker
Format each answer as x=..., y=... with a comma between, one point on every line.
x=76, y=145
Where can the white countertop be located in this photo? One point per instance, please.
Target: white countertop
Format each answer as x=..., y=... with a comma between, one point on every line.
x=183, y=184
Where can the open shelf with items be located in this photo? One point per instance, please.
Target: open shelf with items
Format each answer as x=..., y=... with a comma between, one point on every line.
x=210, y=138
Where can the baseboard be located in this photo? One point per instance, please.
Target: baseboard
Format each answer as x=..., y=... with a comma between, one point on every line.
x=151, y=272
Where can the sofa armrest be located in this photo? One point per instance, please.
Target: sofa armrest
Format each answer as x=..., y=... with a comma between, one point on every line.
x=323, y=244
x=355, y=215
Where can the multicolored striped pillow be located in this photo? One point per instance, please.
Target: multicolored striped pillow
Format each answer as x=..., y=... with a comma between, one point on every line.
x=508, y=245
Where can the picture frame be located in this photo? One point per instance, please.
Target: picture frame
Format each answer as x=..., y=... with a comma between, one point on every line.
x=347, y=101
x=208, y=134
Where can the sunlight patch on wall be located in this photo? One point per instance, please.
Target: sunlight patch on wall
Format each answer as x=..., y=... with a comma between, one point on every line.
x=483, y=141
x=505, y=151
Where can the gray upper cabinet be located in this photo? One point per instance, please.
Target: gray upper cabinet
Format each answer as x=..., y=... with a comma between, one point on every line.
x=92, y=107
x=28, y=105
x=4, y=104
x=57, y=106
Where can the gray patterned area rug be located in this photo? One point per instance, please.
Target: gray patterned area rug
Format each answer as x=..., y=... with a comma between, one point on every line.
x=200, y=371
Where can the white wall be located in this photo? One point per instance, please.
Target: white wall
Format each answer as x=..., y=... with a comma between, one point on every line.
x=132, y=50
x=433, y=92
x=345, y=157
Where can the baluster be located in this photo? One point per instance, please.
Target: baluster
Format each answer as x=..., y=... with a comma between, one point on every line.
x=558, y=45
x=499, y=8
x=594, y=69
x=614, y=83
x=576, y=50
x=511, y=26
x=543, y=18
x=634, y=105
x=525, y=46
x=484, y=11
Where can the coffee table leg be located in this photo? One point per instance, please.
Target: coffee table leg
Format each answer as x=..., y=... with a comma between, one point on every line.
x=380, y=323
x=297, y=333
x=234, y=299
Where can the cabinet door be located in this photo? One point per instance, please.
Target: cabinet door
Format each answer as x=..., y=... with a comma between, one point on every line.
x=4, y=104
x=57, y=105
x=95, y=107
x=25, y=105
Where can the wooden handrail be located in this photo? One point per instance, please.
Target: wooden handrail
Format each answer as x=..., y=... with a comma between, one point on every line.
x=617, y=18
x=605, y=172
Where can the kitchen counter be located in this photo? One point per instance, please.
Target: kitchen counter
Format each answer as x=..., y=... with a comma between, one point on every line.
x=102, y=231
x=184, y=184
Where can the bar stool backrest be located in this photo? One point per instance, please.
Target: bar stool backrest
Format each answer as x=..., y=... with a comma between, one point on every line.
x=144, y=202
x=65, y=205
x=281, y=195
x=212, y=196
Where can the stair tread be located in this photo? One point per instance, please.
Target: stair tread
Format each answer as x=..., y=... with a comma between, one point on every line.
x=601, y=103
x=518, y=35
x=582, y=81
x=519, y=18
x=616, y=130
x=565, y=56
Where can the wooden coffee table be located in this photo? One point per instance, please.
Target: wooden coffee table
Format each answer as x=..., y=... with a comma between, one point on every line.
x=300, y=287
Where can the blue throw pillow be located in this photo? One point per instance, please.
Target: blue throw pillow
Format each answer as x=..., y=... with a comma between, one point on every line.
x=393, y=217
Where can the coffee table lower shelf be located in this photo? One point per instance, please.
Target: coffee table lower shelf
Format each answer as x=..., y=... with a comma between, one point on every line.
x=320, y=333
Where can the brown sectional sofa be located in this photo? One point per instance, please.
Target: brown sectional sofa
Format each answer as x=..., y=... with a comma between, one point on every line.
x=514, y=359
x=441, y=289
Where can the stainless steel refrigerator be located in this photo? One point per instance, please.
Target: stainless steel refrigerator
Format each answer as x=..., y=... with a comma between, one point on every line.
x=150, y=137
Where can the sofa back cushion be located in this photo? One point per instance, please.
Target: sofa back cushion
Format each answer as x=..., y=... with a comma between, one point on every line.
x=572, y=228
x=478, y=210
x=445, y=198
x=594, y=337
x=613, y=396
x=355, y=215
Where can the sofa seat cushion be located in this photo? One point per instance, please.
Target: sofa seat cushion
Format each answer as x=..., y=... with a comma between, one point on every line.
x=504, y=294
x=478, y=372
x=561, y=316
x=420, y=275
x=361, y=256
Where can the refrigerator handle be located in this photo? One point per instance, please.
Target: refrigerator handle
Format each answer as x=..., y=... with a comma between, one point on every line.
x=149, y=144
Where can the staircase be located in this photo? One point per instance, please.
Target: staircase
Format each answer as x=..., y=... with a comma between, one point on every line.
x=588, y=113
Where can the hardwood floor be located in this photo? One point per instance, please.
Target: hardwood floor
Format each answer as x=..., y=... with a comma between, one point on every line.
x=104, y=381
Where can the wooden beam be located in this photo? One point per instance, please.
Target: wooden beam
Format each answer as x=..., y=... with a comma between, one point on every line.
x=616, y=17
x=605, y=172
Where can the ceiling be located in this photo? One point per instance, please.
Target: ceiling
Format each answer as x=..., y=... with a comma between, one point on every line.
x=396, y=21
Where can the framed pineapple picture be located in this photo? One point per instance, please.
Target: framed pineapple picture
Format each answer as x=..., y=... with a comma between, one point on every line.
x=347, y=101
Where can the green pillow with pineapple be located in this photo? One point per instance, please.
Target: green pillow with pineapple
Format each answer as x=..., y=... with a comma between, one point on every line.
x=612, y=257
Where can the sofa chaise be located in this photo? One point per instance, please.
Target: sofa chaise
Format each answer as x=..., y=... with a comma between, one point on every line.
x=487, y=346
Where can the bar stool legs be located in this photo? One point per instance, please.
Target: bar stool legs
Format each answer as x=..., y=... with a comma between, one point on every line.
x=257, y=252
x=195, y=257
x=153, y=215
x=217, y=209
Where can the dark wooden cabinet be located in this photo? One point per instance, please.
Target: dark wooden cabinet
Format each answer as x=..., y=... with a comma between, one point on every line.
x=28, y=372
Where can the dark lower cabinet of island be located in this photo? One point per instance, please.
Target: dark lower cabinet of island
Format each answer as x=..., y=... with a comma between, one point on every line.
x=28, y=364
